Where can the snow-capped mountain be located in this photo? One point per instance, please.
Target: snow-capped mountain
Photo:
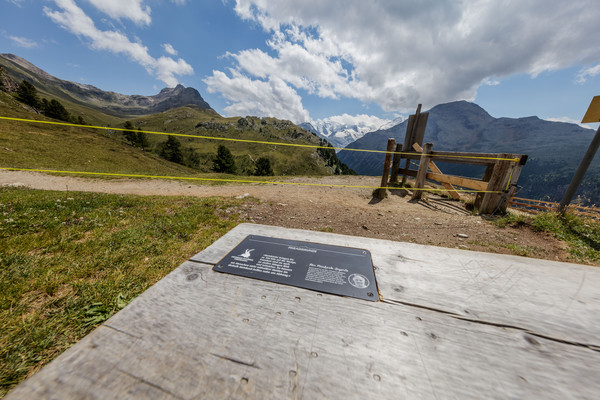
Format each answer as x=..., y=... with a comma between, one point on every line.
x=341, y=130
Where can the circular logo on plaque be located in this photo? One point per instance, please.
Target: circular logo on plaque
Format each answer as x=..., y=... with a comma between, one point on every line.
x=358, y=281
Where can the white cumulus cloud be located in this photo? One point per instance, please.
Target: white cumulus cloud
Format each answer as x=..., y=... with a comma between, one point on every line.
x=168, y=47
x=16, y=2
x=73, y=19
x=589, y=72
x=398, y=53
x=129, y=9
x=23, y=42
x=256, y=97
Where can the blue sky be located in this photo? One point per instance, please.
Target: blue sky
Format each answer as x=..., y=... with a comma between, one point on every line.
x=367, y=61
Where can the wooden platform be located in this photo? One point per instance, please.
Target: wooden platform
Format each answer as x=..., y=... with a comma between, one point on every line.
x=451, y=324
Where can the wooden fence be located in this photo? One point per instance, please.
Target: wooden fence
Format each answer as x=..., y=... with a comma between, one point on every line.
x=535, y=206
x=495, y=188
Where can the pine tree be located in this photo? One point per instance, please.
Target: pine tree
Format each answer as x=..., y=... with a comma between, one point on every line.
x=130, y=137
x=27, y=94
x=263, y=167
x=54, y=109
x=224, y=161
x=171, y=150
x=141, y=140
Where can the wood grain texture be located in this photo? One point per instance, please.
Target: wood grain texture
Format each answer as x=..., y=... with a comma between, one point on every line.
x=434, y=168
x=422, y=172
x=396, y=164
x=381, y=192
x=199, y=334
x=493, y=202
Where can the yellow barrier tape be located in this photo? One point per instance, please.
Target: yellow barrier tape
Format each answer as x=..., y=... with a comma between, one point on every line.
x=242, y=140
x=192, y=178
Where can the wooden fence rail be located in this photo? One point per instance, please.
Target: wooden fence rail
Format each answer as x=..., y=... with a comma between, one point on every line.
x=536, y=206
x=496, y=187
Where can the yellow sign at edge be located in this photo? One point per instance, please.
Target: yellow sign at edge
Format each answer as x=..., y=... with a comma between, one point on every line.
x=593, y=112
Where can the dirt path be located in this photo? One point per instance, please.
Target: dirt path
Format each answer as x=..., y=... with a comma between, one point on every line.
x=352, y=211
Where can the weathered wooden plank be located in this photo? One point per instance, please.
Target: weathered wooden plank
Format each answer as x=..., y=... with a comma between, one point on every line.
x=486, y=178
x=458, y=181
x=493, y=203
x=434, y=168
x=396, y=164
x=381, y=192
x=516, y=203
x=555, y=298
x=460, y=157
x=202, y=334
x=422, y=172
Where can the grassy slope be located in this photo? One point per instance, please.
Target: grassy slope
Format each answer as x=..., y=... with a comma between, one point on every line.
x=69, y=148
x=44, y=146
x=69, y=261
x=286, y=160
x=50, y=91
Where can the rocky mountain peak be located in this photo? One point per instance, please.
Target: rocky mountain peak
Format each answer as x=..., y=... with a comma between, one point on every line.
x=109, y=102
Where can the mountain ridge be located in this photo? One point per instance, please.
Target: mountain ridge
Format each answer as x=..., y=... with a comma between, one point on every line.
x=342, y=130
x=112, y=103
x=554, y=148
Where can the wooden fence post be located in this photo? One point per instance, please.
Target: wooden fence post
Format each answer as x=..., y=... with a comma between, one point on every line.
x=434, y=168
x=514, y=178
x=486, y=178
x=492, y=202
x=422, y=172
x=380, y=193
x=396, y=164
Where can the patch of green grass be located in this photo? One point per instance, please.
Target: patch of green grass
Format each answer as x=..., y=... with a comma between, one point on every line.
x=68, y=261
x=525, y=251
x=512, y=219
x=582, y=235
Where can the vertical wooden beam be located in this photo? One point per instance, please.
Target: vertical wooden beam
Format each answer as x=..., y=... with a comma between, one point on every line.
x=434, y=168
x=409, y=137
x=492, y=202
x=486, y=178
x=380, y=193
x=407, y=142
x=581, y=170
x=420, y=126
x=422, y=173
x=413, y=119
x=515, y=174
x=396, y=164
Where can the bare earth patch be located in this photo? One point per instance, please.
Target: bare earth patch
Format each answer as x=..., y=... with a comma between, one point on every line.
x=435, y=221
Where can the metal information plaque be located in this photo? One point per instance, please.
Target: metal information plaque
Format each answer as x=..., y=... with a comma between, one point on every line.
x=337, y=270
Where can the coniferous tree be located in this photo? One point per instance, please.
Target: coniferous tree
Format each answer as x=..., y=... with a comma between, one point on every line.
x=141, y=140
x=191, y=157
x=171, y=150
x=130, y=137
x=27, y=94
x=54, y=109
x=263, y=167
x=224, y=161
